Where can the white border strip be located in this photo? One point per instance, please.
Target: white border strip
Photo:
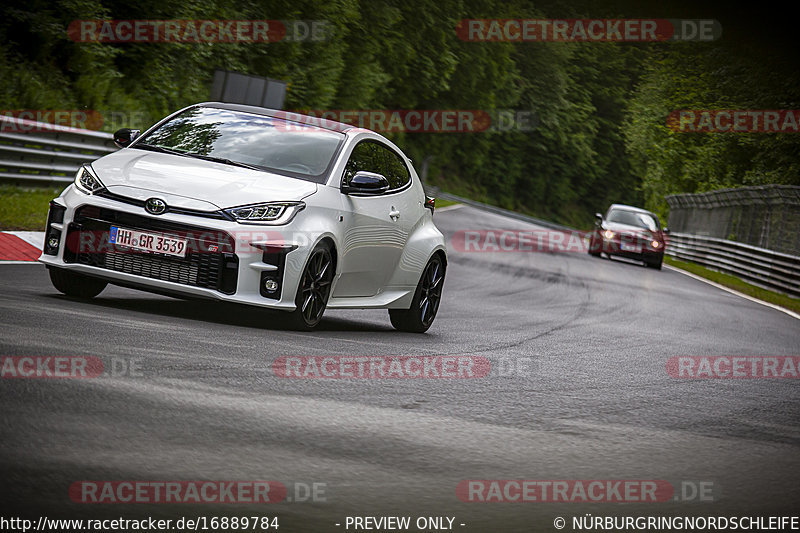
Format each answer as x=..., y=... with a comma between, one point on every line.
x=737, y=293
x=34, y=238
x=33, y=262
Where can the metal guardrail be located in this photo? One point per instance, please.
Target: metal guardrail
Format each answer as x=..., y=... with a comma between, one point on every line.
x=758, y=266
x=434, y=191
x=42, y=152
x=767, y=216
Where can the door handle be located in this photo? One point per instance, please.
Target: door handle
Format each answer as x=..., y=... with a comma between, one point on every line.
x=394, y=214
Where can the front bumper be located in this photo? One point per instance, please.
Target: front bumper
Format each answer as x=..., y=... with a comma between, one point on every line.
x=645, y=251
x=220, y=262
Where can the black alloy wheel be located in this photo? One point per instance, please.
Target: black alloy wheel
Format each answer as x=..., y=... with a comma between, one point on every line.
x=419, y=317
x=314, y=289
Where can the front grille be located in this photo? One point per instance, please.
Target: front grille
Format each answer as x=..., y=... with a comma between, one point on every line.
x=219, y=215
x=209, y=262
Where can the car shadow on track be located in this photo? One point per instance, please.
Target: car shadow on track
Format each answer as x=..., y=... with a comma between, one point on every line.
x=624, y=261
x=223, y=313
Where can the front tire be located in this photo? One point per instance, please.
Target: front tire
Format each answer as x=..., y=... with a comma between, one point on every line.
x=657, y=264
x=419, y=317
x=314, y=289
x=74, y=284
x=594, y=249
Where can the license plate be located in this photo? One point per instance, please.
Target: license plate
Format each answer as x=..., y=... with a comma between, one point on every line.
x=147, y=242
x=627, y=247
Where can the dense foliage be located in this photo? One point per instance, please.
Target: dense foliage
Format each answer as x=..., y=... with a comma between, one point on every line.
x=600, y=108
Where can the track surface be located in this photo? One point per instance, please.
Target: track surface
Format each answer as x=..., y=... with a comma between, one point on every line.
x=593, y=400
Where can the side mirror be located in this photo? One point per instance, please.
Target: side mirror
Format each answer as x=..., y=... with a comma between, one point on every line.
x=598, y=218
x=366, y=183
x=124, y=137
x=666, y=230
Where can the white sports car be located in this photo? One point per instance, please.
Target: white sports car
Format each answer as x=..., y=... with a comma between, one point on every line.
x=254, y=206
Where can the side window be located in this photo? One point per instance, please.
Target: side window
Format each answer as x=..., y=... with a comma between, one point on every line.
x=371, y=156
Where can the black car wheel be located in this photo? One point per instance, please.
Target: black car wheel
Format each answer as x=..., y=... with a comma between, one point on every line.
x=419, y=317
x=594, y=249
x=656, y=264
x=314, y=289
x=74, y=284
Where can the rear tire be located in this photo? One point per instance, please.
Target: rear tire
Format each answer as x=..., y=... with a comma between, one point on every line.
x=76, y=285
x=314, y=289
x=419, y=317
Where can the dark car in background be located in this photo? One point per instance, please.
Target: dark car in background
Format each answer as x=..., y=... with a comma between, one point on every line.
x=630, y=232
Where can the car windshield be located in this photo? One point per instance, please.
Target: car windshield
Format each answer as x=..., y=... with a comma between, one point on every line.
x=632, y=218
x=249, y=140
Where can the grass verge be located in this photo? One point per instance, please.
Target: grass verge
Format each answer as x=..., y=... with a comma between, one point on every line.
x=793, y=304
x=25, y=208
x=441, y=202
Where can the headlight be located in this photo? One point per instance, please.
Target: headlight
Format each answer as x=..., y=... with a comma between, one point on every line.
x=273, y=213
x=608, y=234
x=86, y=180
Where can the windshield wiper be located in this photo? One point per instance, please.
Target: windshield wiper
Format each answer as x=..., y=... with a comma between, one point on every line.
x=154, y=148
x=222, y=160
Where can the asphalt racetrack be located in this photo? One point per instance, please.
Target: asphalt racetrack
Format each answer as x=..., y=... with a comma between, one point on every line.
x=578, y=390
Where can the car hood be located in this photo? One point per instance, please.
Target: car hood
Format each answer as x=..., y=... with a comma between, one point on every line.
x=193, y=183
x=625, y=228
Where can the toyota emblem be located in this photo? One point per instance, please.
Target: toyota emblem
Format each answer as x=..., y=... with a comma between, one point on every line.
x=155, y=206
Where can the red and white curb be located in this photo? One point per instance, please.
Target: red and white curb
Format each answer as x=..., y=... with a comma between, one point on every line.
x=20, y=247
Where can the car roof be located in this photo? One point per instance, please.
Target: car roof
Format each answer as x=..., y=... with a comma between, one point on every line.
x=290, y=116
x=631, y=208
